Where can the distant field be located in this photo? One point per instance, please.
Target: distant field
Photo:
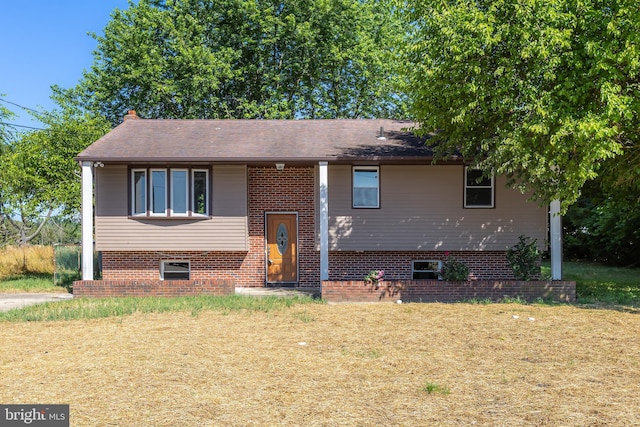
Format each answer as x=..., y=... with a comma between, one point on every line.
x=29, y=260
x=28, y=269
x=32, y=269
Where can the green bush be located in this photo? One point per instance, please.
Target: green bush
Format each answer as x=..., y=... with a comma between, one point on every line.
x=524, y=259
x=454, y=270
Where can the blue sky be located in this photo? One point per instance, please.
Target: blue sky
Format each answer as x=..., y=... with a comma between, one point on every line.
x=45, y=42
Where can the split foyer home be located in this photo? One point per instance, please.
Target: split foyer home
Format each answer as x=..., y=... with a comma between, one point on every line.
x=260, y=203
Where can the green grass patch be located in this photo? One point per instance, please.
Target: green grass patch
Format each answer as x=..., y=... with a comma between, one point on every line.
x=435, y=388
x=95, y=308
x=478, y=301
x=597, y=283
x=512, y=300
x=304, y=317
x=601, y=284
x=30, y=283
x=370, y=354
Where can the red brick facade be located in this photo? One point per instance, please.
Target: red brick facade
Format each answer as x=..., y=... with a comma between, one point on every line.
x=292, y=190
x=397, y=265
x=440, y=291
x=156, y=288
x=247, y=269
x=144, y=265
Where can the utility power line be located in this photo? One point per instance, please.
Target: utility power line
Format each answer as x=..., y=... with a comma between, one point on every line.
x=21, y=126
x=16, y=126
x=52, y=131
x=20, y=106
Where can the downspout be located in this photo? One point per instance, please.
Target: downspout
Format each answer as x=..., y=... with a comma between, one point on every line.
x=87, y=220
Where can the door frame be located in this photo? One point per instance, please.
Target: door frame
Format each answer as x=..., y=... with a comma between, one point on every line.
x=266, y=248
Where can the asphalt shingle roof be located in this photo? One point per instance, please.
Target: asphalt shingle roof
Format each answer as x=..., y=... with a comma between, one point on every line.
x=147, y=140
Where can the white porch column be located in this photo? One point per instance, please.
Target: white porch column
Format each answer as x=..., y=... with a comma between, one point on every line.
x=87, y=220
x=324, y=222
x=555, y=224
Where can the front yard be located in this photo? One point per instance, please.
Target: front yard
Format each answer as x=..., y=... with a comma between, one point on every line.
x=327, y=365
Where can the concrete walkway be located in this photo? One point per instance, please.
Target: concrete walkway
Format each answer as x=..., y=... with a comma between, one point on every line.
x=278, y=292
x=10, y=301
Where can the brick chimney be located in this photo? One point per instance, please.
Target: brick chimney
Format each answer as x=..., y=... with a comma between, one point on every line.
x=131, y=115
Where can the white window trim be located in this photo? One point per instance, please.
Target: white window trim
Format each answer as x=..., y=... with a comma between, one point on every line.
x=437, y=272
x=151, y=201
x=186, y=192
x=192, y=193
x=169, y=195
x=492, y=187
x=165, y=261
x=133, y=192
x=353, y=186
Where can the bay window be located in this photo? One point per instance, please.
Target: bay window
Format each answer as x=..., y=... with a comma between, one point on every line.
x=158, y=191
x=179, y=191
x=139, y=191
x=175, y=192
x=200, y=179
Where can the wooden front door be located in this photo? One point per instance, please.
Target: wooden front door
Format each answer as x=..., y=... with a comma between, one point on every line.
x=282, y=248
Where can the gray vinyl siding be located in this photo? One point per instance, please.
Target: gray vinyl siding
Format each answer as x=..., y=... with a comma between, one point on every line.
x=225, y=230
x=229, y=191
x=421, y=208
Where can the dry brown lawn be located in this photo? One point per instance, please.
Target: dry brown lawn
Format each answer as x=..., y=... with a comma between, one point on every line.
x=361, y=365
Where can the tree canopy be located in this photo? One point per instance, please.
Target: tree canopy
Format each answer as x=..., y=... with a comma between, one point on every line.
x=603, y=228
x=246, y=59
x=544, y=91
x=38, y=174
x=5, y=114
x=203, y=59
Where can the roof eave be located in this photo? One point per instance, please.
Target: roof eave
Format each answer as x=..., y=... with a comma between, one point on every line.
x=253, y=160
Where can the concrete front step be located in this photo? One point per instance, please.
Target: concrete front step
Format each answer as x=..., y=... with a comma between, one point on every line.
x=278, y=292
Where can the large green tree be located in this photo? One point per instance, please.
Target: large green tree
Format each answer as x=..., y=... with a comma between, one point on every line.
x=603, y=226
x=246, y=59
x=544, y=91
x=5, y=114
x=38, y=174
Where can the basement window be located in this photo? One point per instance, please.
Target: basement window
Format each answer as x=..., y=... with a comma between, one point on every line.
x=175, y=270
x=426, y=269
